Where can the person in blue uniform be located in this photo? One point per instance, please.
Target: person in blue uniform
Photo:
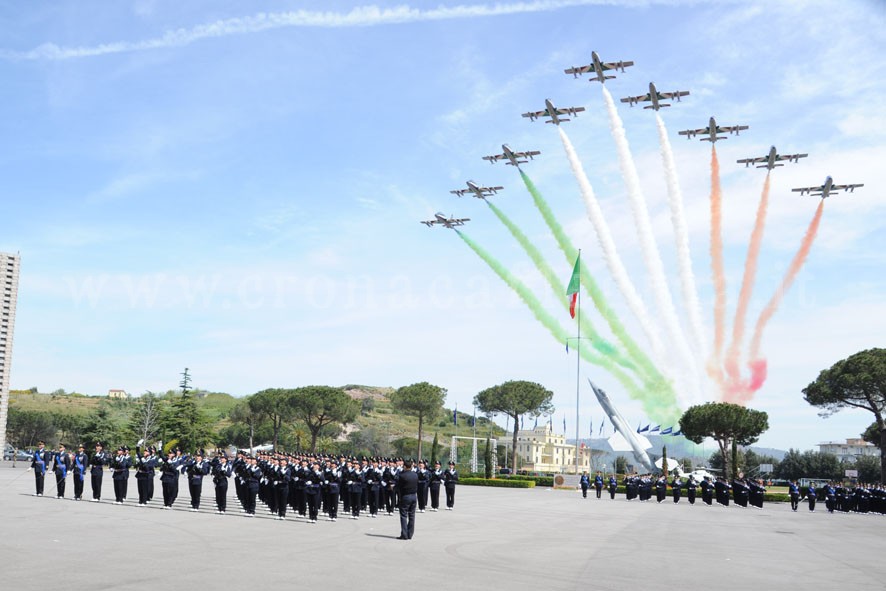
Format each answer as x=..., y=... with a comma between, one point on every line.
x=740, y=492
x=450, y=479
x=830, y=497
x=168, y=478
x=355, y=488
x=613, y=485
x=434, y=485
x=757, y=490
x=280, y=476
x=598, y=484
x=144, y=474
x=313, y=479
x=424, y=476
x=221, y=472
x=80, y=463
x=42, y=457
x=677, y=488
x=661, y=488
x=407, y=489
x=120, y=465
x=585, y=483
x=332, y=481
x=196, y=469
x=61, y=467
x=97, y=464
x=811, y=496
x=691, y=489
x=707, y=491
x=794, y=492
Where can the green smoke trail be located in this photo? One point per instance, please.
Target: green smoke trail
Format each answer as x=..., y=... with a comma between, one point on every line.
x=657, y=409
x=599, y=343
x=660, y=387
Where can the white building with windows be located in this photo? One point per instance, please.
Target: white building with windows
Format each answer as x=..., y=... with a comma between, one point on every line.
x=9, y=264
x=850, y=450
x=542, y=450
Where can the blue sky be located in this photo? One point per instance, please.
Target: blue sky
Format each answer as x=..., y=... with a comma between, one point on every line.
x=237, y=189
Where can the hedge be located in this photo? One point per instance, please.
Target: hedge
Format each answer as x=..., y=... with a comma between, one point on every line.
x=500, y=482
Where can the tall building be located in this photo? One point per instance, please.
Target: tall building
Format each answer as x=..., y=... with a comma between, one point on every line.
x=9, y=264
x=850, y=450
x=542, y=450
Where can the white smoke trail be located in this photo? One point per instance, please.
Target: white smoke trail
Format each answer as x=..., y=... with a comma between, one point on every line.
x=651, y=255
x=610, y=252
x=681, y=238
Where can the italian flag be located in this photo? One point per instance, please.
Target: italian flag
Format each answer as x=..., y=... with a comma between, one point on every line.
x=574, y=286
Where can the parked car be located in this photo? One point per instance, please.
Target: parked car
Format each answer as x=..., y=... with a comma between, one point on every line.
x=19, y=455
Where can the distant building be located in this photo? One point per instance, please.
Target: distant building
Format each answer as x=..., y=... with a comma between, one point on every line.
x=119, y=394
x=850, y=450
x=542, y=450
x=9, y=265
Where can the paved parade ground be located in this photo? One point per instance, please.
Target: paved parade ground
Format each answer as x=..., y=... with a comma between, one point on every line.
x=495, y=538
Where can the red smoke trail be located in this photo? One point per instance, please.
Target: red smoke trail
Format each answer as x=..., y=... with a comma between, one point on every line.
x=757, y=364
x=733, y=354
x=719, y=275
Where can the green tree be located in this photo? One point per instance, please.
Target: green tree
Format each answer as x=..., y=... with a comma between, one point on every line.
x=246, y=415
x=872, y=435
x=859, y=381
x=621, y=465
x=791, y=466
x=276, y=404
x=515, y=398
x=25, y=428
x=421, y=400
x=321, y=406
x=100, y=426
x=183, y=420
x=727, y=424
x=868, y=468
x=369, y=442
x=664, y=460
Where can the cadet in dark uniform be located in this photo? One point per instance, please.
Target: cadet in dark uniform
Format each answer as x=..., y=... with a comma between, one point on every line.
x=584, y=482
x=196, y=469
x=434, y=485
x=41, y=458
x=97, y=464
x=120, y=475
x=794, y=491
x=676, y=488
x=661, y=488
x=221, y=471
x=450, y=479
x=829, y=497
x=811, y=497
x=691, y=486
x=313, y=478
x=252, y=476
x=332, y=481
x=424, y=476
x=707, y=491
x=81, y=461
x=168, y=478
x=61, y=468
x=756, y=493
x=144, y=473
x=598, y=484
x=281, y=479
x=407, y=489
x=613, y=485
x=355, y=488
x=373, y=482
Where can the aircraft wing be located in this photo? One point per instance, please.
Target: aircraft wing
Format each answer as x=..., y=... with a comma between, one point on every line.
x=732, y=129
x=528, y=154
x=456, y=222
x=533, y=115
x=575, y=71
x=460, y=192
x=676, y=94
x=809, y=190
x=429, y=223
x=616, y=65
x=748, y=161
x=633, y=100
x=792, y=157
x=570, y=110
x=495, y=157
x=690, y=133
x=850, y=188
x=491, y=189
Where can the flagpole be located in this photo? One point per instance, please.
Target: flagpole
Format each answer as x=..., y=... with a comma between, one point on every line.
x=577, y=367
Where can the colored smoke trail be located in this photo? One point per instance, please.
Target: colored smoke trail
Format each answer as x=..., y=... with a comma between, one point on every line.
x=587, y=280
x=681, y=238
x=599, y=343
x=757, y=364
x=733, y=354
x=660, y=407
x=610, y=252
x=717, y=269
x=651, y=255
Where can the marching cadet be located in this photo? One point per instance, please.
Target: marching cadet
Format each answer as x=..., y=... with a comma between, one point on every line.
x=584, y=482
x=707, y=492
x=252, y=475
x=168, y=478
x=740, y=492
x=434, y=483
x=661, y=488
x=38, y=464
x=221, y=471
x=62, y=466
x=332, y=481
x=355, y=489
x=120, y=466
x=144, y=473
x=794, y=491
x=424, y=476
x=676, y=488
x=598, y=484
x=811, y=496
x=196, y=469
x=373, y=482
x=829, y=497
x=756, y=493
x=691, y=486
x=722, y=488
x=450, y=479
x=389, y=477
x=613, y=485
x=281, y=479
x=97, y=464
x=81, y=461
x=313, y=480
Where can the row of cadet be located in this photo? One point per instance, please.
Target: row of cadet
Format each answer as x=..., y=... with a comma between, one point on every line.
x=305, y=483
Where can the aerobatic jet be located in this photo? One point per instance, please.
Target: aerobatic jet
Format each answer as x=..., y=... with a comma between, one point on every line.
x=770, y=160
x=554, y=113
x=596, y=68
x=449, y=222
x=477, y=191
x=827, y=188
x=712, y=131
x=655, y=98
x=511, y=156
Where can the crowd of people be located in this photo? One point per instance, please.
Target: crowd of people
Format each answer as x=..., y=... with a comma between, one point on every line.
x=304, y=484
